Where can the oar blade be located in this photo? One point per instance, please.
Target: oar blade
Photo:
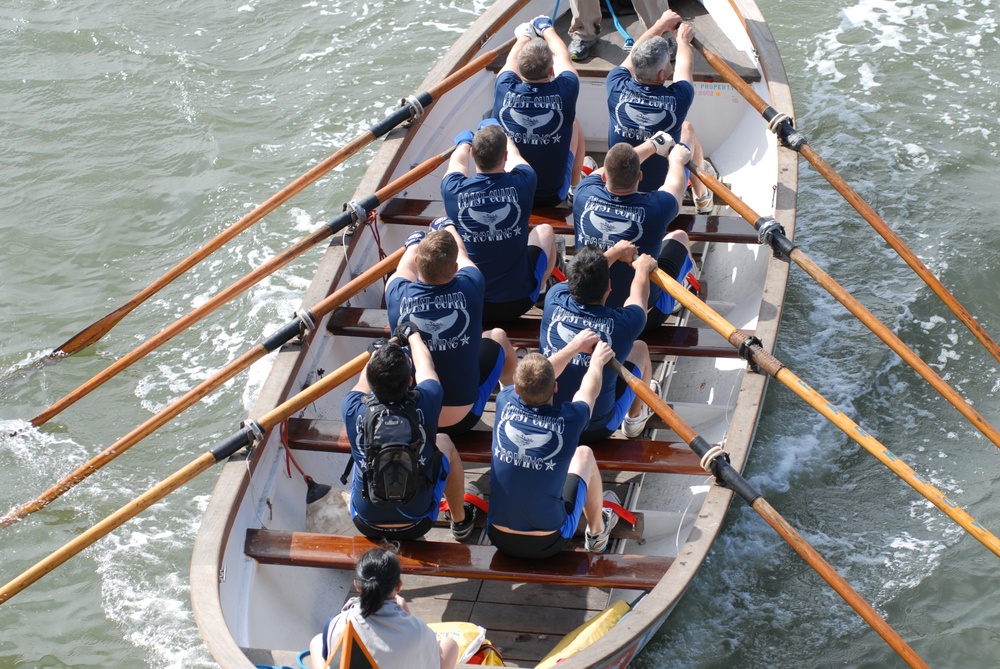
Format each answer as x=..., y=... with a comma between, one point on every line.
x=92, y=333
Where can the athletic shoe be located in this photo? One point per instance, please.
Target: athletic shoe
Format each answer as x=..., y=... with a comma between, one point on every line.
x=463, y=531
x=598, y=543
x=579, y=49
x=589, y=165
x=705, y=203
x=632, y=427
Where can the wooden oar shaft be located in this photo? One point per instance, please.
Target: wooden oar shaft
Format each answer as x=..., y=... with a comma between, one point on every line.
x=154, y=423
x=331, y=302
x=837, y=582
x=235, y=289
x=802, y=259
x=108, y=525
x=856, y=201
x=772, y=366
x=773, y=518
x=205, y=461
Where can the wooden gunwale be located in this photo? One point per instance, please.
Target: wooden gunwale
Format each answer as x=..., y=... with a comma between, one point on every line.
x=635, y=630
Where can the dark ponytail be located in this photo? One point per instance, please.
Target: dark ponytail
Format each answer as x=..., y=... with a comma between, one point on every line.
x=376, y=576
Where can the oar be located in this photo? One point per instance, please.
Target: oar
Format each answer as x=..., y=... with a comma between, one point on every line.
x=728, y=476
x=366, y=205
x=305, y=321
x=413, y=107
x=771, y=233
x=751, y=350
x=253, y=432
x=783, y=127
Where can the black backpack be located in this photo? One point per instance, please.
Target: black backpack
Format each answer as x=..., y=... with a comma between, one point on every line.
x=392, y=438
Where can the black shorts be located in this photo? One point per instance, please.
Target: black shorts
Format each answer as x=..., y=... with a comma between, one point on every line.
x=671, y=260
x=537, y=546
x=502, y=312
x=491, y=361
x=404, y=533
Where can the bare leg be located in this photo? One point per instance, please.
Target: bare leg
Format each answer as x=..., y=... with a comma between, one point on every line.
x=584, y=465
x=449, y=653
x=510, y=355
x=640, y=356
x=544, y=237
x=579, y=144
x=454, y=487
x=690, y=139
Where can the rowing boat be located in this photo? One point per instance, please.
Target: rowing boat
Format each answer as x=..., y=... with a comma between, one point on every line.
x=269, y=569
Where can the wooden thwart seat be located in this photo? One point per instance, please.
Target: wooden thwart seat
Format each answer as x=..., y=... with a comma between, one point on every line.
x=629, y=455
x=700, y=228
x=454, y=560
x=523, y=333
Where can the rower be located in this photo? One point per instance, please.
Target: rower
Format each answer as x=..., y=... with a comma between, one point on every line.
x=440, y=289
x=492, y=208
x=541, y=480
x=608, y=208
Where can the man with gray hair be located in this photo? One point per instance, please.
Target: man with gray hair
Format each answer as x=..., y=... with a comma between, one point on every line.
x=640, y=104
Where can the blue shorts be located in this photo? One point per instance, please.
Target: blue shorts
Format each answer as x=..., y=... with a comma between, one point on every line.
x=624, y=396
x=502, y=312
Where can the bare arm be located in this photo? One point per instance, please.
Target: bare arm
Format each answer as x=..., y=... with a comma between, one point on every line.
x=668, y=21
x=639, y=290
x=514, y=157
x=676, y=181
x=459, y=161
x=423, y=364
x=623, y=250
x=463, y=259
x=590, y=386
x=684, y=63
x=561, y=60
x=584, y=341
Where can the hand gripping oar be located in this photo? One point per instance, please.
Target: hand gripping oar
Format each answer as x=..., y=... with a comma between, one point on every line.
x=715, y=462
x=356, y=211
x=760, y=360
x=305, y=321
x=252, y=432
x=771, y=233
x=412, y=107
x=782, y=126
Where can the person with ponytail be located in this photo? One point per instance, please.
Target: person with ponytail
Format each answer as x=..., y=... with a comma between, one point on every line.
x=395, y=638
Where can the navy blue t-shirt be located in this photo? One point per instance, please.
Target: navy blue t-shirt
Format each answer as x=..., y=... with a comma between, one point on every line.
x=539, y=117
x=425, y=504
x=532, y=449
x=491, y=212
x=638, y=111
x=563, y=318
x=450, y=319
x=602, y=219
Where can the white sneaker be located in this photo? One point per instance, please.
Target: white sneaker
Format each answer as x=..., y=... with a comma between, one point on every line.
x=632, y=427
x=589, y=165
x=598, y=543
x=706, y=203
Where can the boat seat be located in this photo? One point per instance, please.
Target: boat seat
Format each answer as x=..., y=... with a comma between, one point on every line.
x=523, y=333
x=455, y=560
x=700, y=228
x=628, y=455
